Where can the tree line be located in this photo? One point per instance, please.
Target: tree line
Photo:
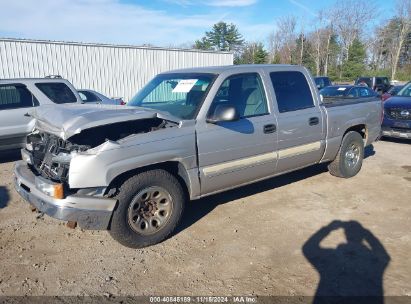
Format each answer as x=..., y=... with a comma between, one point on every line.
x=342, y=42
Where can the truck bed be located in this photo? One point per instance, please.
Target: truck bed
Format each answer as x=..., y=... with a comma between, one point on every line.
x=342, y=101
x=342, y=113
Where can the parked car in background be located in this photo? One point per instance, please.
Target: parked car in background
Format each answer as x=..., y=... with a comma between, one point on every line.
x=19, y=96
x=186, y=135
x=397, y=114
x=322, y=82
x=90, y=96
x=391, y=92
x=378, y=84
x=347, y=91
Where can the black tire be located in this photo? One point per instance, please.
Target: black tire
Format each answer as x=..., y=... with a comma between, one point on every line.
x=124, y=226
x=344, y=165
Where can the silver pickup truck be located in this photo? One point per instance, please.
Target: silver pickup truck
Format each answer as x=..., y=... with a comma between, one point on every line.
x=187, y=134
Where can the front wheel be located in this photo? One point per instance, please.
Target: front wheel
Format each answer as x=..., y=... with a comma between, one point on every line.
x=150, y=206
x=349, y=158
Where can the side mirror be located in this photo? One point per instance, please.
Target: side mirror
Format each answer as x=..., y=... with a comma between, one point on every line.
x=224, y=113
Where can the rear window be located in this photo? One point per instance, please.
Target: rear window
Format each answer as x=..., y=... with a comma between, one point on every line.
x=57, y=92
x=292, y=91
x=15, y=96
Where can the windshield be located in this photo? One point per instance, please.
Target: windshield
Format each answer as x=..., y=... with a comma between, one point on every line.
x=180, y=94
x=395, y=90
x=334, y=91
x=405, y=91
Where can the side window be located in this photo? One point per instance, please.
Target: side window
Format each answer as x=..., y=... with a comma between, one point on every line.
x=88, y=97
x=245, y=92
x=57, y=92
x=15, y=96
x=292, y=91
x=82, y=96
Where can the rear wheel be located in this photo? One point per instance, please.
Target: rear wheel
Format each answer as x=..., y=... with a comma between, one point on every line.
x=150, y=206
x=349, y=158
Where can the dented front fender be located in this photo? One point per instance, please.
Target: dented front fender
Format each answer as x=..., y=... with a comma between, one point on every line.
x=99, y=166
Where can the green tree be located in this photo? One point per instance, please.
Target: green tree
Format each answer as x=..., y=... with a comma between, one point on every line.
x=355, y=65
x=222, y=37
x=303, y=53
x=203, y=44
x=252, y=53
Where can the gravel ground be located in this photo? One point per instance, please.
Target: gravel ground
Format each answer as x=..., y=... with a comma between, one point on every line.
x=248, y=241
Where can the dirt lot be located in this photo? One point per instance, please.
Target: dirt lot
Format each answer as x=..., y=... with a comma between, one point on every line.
x=245, y=242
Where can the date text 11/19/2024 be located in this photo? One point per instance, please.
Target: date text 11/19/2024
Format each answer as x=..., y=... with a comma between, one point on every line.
x=202, y=299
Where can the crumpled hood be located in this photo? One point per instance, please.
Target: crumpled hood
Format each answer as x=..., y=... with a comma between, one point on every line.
x=398, y=102
x=70, y=119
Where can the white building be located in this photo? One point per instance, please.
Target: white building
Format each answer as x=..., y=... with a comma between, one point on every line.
x=114, y=70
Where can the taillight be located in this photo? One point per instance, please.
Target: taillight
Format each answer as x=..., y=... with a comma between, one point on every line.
x=382, y=112
x=122, y=103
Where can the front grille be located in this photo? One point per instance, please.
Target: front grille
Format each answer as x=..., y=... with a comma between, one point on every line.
x=398, y=113
x=400, y=130
x=50, y=154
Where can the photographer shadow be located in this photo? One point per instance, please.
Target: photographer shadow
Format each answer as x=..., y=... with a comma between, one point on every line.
x=353, y=271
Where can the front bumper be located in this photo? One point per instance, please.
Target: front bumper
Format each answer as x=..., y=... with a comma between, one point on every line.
x=88, y=211
x=396, y=132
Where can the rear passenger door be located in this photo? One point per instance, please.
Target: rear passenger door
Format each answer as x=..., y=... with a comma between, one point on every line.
x=300, y=121
x=15, y=101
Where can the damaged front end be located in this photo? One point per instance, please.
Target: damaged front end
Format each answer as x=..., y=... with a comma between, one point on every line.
x=49, y=155
x=43, y=177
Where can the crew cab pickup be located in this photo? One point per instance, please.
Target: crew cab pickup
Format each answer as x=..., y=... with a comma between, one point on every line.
x=187, y=134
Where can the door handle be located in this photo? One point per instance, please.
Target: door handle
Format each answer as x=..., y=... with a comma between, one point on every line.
x=313, y=121
x=271, y=128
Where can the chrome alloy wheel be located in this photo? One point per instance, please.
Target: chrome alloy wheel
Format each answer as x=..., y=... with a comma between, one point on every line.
x=352, y=155
x=150, y=210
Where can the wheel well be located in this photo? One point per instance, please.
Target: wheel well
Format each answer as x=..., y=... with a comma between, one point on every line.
x=361, y=129
x=173, y=167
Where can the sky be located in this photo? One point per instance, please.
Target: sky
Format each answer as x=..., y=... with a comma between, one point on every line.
x=166, y=23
